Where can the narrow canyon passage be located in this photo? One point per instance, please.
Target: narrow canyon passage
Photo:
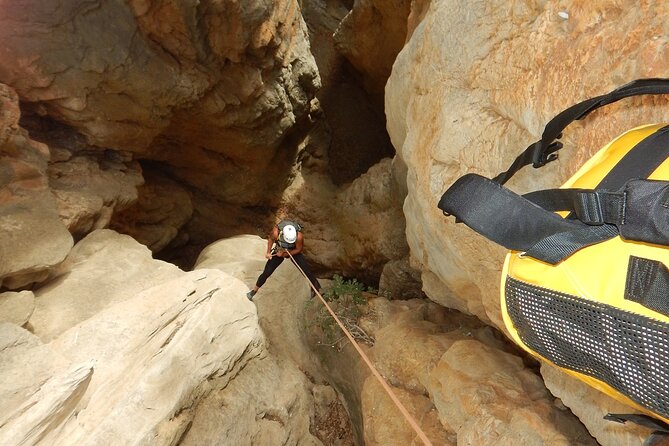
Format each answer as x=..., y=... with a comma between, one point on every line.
x=147, y=148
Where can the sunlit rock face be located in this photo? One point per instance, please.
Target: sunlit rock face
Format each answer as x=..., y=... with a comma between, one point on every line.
x=475, y=85
x=209, y=89
x=133, y=350
x=371, y=35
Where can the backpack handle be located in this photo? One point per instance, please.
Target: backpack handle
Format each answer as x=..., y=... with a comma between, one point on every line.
x=544, y=150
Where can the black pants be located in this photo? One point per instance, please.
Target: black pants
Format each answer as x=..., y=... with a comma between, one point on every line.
x=274, y=263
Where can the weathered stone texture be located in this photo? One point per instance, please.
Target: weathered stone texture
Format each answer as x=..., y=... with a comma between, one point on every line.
x=210, y=89
x=355, y=229
x=474, y=86
x=148, y=360
x=371, y=35
x=32, y=237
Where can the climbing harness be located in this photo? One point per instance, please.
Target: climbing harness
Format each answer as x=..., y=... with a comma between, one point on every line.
x=412, y=422
x=585, y=285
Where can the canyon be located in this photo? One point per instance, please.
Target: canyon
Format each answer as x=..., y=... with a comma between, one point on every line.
x=148, y=146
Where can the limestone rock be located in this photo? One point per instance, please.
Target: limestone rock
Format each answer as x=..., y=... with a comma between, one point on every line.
x=353, y=230
x=16, y=307
x=161, y=211
x=47, y=408
x=591, y=406
x=349, y=134
x=184, y=322
x=413, y=338
x=399, y=280
x=280, y=301
x=32, y=238
x=102, y=269
x=471, y=90
x=460, y=100
x=371, y=35
x=262, y=406
x=243, y=257
x=90, y=189
x=147, y=364
x=209, y=89
x=488, y=397
x=26, y=364
x=379, y=409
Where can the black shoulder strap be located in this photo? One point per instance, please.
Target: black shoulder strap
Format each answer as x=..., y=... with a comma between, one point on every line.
x=543, y=151
x=517, y=223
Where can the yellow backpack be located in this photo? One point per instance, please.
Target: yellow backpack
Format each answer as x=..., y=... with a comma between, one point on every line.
x=585, y=285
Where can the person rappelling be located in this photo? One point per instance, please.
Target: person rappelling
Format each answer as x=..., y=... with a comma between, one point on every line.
x=285, y=240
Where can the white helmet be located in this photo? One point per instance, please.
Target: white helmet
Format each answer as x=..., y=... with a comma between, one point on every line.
x=289, y=233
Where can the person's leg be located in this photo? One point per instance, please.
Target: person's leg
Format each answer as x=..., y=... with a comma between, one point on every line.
x=270, y=266
x=302, y=262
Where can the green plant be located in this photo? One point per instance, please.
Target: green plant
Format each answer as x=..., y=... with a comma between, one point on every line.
x=343, y=289
x=346, y=300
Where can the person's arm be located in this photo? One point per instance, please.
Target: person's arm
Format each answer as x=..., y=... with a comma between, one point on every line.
x=299, y=244
x=271, y=238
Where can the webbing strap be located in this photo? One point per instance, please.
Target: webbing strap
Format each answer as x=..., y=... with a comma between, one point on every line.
x=412, y=422
x=592, y=207
x=543, y=151
x=516, y=223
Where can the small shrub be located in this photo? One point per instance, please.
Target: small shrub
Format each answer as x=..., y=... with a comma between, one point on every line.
x=346, y=300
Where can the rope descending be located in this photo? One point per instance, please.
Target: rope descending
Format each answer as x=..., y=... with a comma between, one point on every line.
x=412, y=422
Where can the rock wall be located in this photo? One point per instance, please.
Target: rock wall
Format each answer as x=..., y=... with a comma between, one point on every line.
x=455, y=108
x=461, y=381
x=210, y=89
x=161, y=357
x=473, y=87
x=52, y=195
x=213, y=95
x=371, y=35
x=354, y=230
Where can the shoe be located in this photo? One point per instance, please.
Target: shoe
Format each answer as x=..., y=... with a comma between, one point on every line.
x=250, y=295
x=313, y=293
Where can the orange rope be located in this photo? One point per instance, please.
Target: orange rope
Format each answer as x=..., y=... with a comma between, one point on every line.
x=384, y=384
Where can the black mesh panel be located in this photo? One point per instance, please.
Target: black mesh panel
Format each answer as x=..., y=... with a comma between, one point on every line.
x=627, y=351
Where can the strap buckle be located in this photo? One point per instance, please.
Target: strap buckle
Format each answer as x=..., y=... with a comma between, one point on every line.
x=588, y=208
x=541, y=156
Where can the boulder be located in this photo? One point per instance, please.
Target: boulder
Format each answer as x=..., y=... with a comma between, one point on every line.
x=32, y=237
x=16, y=307
x=102, y=269
x=400, y=281
x=281, y=301
x=591, y=406
x=139, y=389
x=89, y=189
x=150, y=362
x=488, y=397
